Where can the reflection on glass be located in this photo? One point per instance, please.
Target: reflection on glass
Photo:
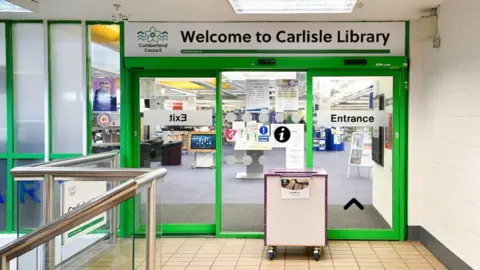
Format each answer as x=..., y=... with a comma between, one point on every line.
x=257, y=108
x=356, y=157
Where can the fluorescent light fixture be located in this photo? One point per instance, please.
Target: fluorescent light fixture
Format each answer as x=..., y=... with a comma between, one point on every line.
x=18, y=5
x=292, y=6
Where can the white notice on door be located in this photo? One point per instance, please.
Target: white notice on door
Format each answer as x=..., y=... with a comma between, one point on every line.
x=258, y=95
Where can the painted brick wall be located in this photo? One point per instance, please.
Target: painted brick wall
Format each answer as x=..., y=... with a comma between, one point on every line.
x=445, y=132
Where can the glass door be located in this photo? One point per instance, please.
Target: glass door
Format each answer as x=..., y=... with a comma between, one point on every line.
x=356, y=123
x=256, y=107
x=177, y=132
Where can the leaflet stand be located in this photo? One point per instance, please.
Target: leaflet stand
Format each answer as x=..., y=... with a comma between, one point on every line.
x=360, y=153
x=296, y=209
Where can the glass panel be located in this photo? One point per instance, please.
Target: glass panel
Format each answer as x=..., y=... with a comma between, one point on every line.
x=29, y=83
x=29, y=200
x=105, y=83
x=355, y=151
x=3, y=195
x=3, y=91
x=66, y=87
x=178, y=133
x=259, y=109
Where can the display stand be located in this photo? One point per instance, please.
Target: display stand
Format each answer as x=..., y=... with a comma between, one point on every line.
x=254, y=171
x=203, y=160
x=361, y=153
x=290, y=199
x=202, y=144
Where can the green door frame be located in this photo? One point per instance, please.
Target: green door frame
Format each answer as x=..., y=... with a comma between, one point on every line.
x=137, y=67
x=400, y=127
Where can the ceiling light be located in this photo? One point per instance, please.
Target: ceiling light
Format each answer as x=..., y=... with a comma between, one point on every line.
x=16, y=5
x=292, y=6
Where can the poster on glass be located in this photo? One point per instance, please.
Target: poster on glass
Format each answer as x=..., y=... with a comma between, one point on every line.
x=104, y=94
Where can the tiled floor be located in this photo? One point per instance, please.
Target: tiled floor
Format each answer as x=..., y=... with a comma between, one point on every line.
x=250, y=254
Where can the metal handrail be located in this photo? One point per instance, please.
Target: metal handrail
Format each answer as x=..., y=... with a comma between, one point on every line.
x=77, y=160
x=113, y=174
x=70, y=220
x=88, y=211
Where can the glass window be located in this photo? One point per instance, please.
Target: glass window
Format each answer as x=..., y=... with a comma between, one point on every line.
x=256, y=106
x=3, y=91
x=29, y=87
x=105, y=87
x=67, y=88
x=356, y=154
x=3, y=194
x=29, y=202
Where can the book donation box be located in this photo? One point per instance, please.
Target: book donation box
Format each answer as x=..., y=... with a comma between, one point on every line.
x=296, y=209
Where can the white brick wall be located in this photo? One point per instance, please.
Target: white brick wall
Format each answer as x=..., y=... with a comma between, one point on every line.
x=444, y=154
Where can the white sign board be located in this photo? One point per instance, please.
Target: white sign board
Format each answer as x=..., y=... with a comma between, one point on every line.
x=257, y=95
x=178, y=118
x=163, y=39
x=294, y=147
x=287, y=95
x=352, y=118
x=75, y=194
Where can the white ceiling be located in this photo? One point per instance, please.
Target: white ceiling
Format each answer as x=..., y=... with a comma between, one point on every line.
x=212, y=10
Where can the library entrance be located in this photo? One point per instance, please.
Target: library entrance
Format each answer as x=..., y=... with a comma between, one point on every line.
x=205, y=128
x=218, y=118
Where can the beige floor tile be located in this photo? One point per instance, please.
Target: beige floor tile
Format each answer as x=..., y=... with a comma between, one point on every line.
x=201, y=263
x=245, y=267
x=176, y=264
x=297, y=263
x=182, y=255
x=366, y=256
x=250, y=254
x=227, y=259
x=223, y=267
x=198, y=268
x=203, y=259
x=320, y=263
x=296, y=268
x=225, y=263
x=371, y=267
x=345, y=263
x=173, y=267
x=206, y=255
x=388, y=255
x=346, y=268
x=370, y=264
x=173, y=259
x=423, y=250
x=249, y=262
x=395, y=265
x=271, y=267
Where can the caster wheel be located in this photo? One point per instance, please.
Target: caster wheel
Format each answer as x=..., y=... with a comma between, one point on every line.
x=271, y=253
x=316, y=254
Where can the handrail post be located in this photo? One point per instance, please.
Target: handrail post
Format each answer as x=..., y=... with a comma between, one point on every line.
x=114, y=211
x=4, y=263
x=49, y=216
x=151, y=228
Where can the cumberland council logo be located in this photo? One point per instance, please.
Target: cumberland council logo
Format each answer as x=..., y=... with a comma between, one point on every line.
x=152, y=35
